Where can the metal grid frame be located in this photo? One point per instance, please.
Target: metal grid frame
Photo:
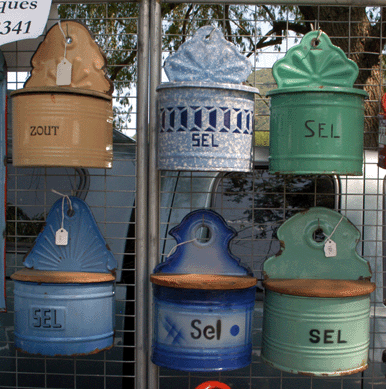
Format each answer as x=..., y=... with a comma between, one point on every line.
x=360, y=199
x=110, y=193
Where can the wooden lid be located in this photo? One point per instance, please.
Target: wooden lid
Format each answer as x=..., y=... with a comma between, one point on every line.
x=320, y=288
x=61, y=277
x=203, y=281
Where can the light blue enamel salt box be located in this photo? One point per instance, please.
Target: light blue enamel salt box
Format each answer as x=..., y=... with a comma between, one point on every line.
x=64, y=297
x=203, y=300
x=206, y=114
x=317, y=302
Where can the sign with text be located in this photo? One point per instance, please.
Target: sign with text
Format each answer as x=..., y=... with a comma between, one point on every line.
x=22, y=19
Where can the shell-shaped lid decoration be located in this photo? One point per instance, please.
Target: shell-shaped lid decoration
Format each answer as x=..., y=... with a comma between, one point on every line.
x=73, y=41
x=201, y=263
x=330, y=254
x=85, y=249
x=315, y=64
x=207, y=57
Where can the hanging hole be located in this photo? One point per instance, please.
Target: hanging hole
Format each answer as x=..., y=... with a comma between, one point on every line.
x=315, y=42
x=209, y=36
x=70, y=213
x=68, y=40
x=318, y=235
x=203, y=234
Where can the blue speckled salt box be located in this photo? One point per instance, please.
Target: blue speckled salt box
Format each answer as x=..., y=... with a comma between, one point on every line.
x=206, y=114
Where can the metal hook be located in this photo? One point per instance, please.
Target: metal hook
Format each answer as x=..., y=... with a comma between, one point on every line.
x=210, y=34
x=315, y=42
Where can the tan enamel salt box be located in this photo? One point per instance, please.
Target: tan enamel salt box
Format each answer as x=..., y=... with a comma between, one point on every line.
x=63, y=116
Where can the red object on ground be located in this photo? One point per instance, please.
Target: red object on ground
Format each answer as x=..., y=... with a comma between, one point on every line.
x=213, y=385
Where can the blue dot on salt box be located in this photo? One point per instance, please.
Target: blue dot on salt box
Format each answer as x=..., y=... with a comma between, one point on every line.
x=64, y=297
x=203, y=300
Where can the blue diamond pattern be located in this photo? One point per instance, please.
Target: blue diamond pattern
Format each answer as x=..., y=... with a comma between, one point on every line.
x=208, y=119
x=227, y=119
x=163, y=120
x=173, y=332
x=171, y=119
x=213, y=118
x=184, y=118
x=198, y=118
x=239, y=120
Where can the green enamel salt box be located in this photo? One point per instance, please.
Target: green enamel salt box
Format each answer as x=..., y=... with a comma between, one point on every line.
x=317, y=301
x=317, y=117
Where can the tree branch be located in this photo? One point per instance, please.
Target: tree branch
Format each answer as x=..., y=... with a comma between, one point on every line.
x=278, y=28
x=185, y=23
x=116, y=69
x=268, y=11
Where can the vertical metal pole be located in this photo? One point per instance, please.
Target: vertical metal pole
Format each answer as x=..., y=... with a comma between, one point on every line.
x=142, y=282
x=154, y=177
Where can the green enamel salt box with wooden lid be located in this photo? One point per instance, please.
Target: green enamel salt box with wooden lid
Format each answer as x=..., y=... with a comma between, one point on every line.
x=317, y=116
x=317, y=301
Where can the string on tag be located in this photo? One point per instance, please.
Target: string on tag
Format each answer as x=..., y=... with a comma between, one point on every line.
x=333, y=231
x=65, y=39
x=329, y=245
x=61, y=236
x=64, y=68
x=179, y=244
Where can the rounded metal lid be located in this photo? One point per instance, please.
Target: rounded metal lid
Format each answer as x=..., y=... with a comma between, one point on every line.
x=208, y=85
x=319, y=89
x=62, y=90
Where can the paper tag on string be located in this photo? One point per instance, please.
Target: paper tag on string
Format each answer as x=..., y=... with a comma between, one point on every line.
x=61, y=237
x=63, y=72
x=330, y=248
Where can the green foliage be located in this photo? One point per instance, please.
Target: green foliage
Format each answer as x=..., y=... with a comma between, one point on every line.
x=20, y=227
x=115, y=28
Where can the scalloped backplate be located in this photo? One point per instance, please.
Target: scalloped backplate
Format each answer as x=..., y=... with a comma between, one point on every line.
x=86, y=250
x=315, y=62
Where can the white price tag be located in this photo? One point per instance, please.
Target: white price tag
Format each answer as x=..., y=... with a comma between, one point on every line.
x=63, y=72
x=330, y=248
x=23, y=19
x=61, y=237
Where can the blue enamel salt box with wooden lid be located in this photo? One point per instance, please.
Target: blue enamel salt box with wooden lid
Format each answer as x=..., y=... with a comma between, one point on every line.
x=64, y=297
x=317, y=302
x=203, y=300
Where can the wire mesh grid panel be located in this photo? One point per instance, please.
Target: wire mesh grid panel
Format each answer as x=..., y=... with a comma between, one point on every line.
x=256, y=204
x=110, y=194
